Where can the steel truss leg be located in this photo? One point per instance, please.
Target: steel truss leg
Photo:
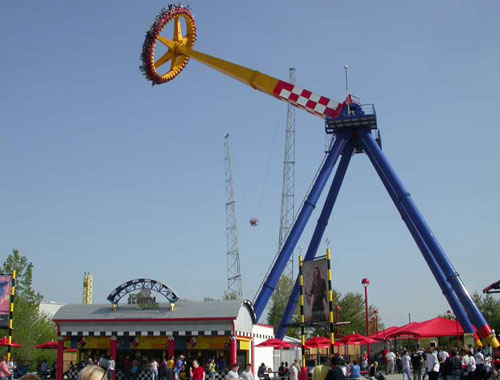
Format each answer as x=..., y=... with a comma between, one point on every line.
x=448, y=292
x=403, y=198
x=299, y=225
x=317, y=235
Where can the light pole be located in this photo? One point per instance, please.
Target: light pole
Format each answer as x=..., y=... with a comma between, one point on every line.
x=337, y=309
x=365, y=282
x=376, y=321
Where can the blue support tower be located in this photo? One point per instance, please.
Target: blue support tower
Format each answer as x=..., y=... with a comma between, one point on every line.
x=441, y=261
x=318, y=234
x=299, y=225
x=356, y=125
x=448, y=292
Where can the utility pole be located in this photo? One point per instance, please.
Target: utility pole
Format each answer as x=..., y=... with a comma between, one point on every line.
x=233, y=255
x=288, y=185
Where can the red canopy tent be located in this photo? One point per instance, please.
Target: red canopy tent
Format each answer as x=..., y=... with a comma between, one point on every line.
x=383, y=334
x=433, y=328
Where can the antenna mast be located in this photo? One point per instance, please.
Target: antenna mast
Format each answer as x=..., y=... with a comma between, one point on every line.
x=288, y=185
x=233, y=256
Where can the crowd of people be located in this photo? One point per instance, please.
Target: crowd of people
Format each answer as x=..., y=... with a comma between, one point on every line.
x=430, y=364
x=433, y=363
x=173, y=368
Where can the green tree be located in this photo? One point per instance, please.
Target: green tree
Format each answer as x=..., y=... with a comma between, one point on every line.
x=279, y=300
x=490, y=307
x=209, y=299
x=30, y=326
x=352, y=310
x=230, y=296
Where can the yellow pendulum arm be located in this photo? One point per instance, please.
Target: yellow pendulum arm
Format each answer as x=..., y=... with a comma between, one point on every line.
x=180, y=50
x=253, y=78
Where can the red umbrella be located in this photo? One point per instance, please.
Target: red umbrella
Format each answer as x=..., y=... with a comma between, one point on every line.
x=276, y=344
x=318, y=342
x=5, y=342
x=48, y=346
x=357, y=339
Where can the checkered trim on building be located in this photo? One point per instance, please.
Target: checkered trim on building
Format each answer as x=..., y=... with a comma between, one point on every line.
x=250, y=335
x=148, y=333
x=316, y=104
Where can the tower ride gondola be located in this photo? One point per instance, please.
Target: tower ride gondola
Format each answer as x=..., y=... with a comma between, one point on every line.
x=353, y=126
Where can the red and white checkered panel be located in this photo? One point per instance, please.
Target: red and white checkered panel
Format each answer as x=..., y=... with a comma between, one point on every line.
x=312, y=103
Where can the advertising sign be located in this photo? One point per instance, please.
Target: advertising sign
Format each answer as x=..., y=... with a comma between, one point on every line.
x=469, y=339
x=315, y=275
x=5, y=286
x=206, y=342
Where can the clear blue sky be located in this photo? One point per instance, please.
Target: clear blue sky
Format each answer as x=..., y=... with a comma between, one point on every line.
x=100, y=172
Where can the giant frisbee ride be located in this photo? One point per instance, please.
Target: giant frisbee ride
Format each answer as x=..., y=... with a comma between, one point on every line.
x=167, y=48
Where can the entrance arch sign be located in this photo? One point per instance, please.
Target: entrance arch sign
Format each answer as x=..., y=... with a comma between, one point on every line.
x=142, y=283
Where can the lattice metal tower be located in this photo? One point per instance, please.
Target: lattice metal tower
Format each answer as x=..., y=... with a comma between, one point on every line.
x=87, y=288
x=288, y=185
x=233, y=255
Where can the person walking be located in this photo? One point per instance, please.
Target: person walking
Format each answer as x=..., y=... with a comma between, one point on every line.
x=196, y=372
x=416, y=362
x=320, y=371
x=432, y=364
x=178, y=366
x=390, y=359
x=233, y=373
x=355, y=370
x=406, y=366
x=281, y=369
x=127, y=366
x=154, y=368
x=261, y=372
x=335, y=372
x=247, y=373
x=480, y=367
x=11, y=364
x=471, y=368
x=169, y=368
x=111, y=368
x=5, y=374
x=293, y=371
x=364, y=361
x=453, y=367
x=443, y=355
x=211, y=369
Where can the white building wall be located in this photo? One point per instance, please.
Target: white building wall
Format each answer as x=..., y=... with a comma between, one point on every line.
x=263, y=354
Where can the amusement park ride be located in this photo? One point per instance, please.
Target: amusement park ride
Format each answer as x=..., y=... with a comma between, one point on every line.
x=353, y=126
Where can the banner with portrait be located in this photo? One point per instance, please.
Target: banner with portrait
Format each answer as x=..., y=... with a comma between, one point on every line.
x=5, y=286
x=315, y=277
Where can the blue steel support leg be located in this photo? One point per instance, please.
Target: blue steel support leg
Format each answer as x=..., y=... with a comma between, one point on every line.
x=375, y=154
x=299, y=225
x=317, y=235
x=448, y=292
